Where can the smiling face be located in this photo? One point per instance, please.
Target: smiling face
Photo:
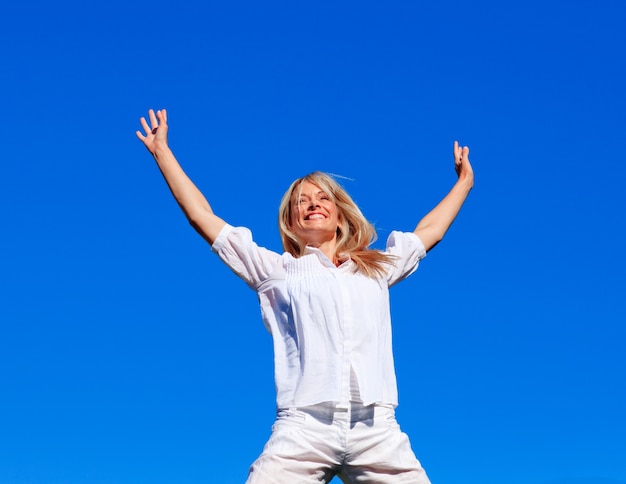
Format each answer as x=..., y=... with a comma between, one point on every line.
x=314, y=214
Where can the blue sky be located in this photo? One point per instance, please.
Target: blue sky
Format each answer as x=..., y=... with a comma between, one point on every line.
x=129, y=354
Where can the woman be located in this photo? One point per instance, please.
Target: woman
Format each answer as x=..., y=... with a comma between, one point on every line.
x=325, y=302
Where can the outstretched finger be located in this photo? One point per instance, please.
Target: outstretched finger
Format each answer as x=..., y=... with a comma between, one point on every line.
x=153, y=119
x=458, y=152
x=162, y=114
x=144, y=125
x=140, y=135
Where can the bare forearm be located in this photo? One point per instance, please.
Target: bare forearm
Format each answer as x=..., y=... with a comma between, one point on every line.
x=190, y=199
x=183, y=189
x=436, y=223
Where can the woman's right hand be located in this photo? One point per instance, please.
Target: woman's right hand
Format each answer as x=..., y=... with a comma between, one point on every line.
x=155, y=133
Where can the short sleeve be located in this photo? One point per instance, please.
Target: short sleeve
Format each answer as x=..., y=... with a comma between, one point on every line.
x=236, y=247
x=408, y=250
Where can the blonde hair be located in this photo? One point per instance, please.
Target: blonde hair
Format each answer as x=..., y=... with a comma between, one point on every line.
x=354, y=234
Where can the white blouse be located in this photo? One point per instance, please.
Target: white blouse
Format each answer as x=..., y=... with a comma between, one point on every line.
x=326, y=322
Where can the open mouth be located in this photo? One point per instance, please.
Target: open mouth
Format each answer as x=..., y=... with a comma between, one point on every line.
x=315, y=216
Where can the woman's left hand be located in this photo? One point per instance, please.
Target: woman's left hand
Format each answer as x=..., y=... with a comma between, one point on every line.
x=462, y=164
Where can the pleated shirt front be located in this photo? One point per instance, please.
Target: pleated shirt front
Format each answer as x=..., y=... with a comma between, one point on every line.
x=327, y=323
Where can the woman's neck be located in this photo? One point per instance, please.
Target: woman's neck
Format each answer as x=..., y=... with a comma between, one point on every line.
x=328, y=248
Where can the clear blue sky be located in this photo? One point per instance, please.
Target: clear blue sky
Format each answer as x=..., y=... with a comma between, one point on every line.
x=130, y=355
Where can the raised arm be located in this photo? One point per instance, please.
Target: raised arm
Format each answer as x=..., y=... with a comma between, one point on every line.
x=436, y=223
x=194, y=205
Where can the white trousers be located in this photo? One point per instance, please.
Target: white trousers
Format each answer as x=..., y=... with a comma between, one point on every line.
x=359, y=445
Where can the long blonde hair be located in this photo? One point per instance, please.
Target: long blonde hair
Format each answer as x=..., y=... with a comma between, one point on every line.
x=354, y=235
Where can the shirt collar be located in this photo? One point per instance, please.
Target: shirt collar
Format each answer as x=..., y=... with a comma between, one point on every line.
x=308, y=250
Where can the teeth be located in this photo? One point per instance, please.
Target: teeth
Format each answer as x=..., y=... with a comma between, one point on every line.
x=315, y=216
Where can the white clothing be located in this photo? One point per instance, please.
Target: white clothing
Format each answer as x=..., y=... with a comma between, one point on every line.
x=358, y=444
x=326, y=322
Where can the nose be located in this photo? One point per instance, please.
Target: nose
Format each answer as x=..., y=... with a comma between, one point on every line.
x=313, y=204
